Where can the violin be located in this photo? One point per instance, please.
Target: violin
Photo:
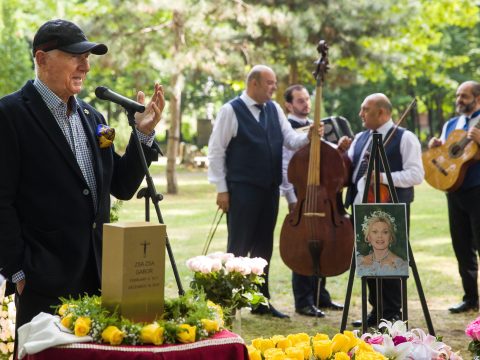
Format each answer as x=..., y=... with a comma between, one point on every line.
x=384, y=193
x=317, y=236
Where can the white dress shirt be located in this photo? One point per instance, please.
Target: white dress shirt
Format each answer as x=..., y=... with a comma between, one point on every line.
x=225, y=128
x=460, y=125
x=411, y=151
x=286, y=188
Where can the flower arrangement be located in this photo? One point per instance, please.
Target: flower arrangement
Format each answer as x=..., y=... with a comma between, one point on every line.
x=301, y=346
x=473, y=332
x=7, y=324
x=395, y=342
x=232, y=282
x=186, y=319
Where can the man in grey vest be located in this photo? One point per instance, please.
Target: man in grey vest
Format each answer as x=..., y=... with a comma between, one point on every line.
x=245, y=164
x=405, y=159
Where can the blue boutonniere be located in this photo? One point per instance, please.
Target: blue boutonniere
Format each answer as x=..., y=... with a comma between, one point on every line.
x=105, y=135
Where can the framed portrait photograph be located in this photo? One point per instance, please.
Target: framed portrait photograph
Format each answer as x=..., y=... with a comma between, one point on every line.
x=381, y=247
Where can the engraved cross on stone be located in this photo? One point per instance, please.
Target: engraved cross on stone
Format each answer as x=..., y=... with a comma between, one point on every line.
x=145, y=244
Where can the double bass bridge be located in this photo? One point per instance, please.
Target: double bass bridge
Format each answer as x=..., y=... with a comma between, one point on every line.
x=314, y=214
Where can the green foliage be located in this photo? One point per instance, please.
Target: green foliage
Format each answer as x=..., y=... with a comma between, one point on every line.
x=188, y=309
x=114, y=210
x=16, y=66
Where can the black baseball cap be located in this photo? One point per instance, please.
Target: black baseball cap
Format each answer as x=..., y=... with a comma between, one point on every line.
x=66, y=36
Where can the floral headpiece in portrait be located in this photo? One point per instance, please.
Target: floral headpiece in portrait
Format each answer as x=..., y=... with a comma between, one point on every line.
x=379, y=216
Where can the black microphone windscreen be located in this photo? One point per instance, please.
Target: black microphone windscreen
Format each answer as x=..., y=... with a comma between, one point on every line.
x=100, y=91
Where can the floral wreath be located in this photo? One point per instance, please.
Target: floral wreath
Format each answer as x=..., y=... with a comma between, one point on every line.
x=381, y=215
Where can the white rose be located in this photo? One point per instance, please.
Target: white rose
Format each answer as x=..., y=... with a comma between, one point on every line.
x=216, y=264
x=10, y=346
x=258, y=265
x=3, y=348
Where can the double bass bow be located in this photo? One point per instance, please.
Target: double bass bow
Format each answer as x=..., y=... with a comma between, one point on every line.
x=317, y=236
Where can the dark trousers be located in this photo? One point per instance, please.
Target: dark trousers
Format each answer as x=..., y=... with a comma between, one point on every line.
x=391, y=291
x=251, y=221
x=305, y=291
x=464, y=218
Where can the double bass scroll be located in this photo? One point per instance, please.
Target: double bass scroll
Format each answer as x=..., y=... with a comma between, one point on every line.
x=317, y=236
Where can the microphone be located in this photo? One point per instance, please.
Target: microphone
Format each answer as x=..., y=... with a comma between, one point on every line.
x=105, y=93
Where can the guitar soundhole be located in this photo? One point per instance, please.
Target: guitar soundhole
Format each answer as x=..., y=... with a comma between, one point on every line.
x=455, y=151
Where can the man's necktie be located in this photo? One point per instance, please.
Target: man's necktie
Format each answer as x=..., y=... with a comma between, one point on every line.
x=362, y=169
x=465, y=127
x=262, y=119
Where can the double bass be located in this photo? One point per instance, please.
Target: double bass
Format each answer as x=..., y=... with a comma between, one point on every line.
x=317, y=236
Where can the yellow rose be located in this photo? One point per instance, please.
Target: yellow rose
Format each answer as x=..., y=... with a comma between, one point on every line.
x=63, y=309
x=210, y=325
x=263, y=344
x=363, y=346
x=82, y=326
x=186, y=333
x=322, y=349
x=353, y=340
x=341, y=356
x=152, y=334
x=112, y=335
x=367, y=355
x=340, y=342
x=269, y=353
x=253, y=353
x=67, y=321
x=277, y=338
x=321, y=337
x=294, y=353
x=306, y=348
x=300, y=337
x=284, y=343
x=277, y=356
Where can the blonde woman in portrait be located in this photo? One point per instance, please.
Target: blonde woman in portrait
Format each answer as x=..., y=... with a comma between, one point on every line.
x=379, y=233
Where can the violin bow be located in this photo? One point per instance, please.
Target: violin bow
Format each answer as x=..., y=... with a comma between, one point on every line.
x=397, y=124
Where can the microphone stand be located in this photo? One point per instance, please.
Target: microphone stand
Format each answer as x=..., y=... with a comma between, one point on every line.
x=152, y=193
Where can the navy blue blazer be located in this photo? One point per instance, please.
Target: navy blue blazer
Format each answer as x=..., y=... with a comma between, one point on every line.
x=48, y=224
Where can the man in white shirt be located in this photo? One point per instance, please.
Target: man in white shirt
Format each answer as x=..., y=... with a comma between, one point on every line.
x=405, y=160
x=245, y=164
x=463, y=203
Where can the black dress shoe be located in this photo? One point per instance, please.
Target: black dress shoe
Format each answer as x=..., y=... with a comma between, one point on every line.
x=371, y=321
x=264, y=309
x=463, y=307
x=332, y=306
x=310, y=310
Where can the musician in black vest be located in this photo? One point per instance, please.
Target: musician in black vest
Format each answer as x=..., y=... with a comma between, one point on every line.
x=405, y=160
x=297, y=103
x=245, y=164
x=464, y=203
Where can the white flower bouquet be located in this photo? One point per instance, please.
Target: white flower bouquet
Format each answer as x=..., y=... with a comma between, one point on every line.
x=232, y=282
x=7, y=324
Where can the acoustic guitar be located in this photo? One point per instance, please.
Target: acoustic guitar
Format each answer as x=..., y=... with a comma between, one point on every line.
x=446, y=165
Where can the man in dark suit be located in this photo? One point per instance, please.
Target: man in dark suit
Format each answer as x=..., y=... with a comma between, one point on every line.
x=56, y=179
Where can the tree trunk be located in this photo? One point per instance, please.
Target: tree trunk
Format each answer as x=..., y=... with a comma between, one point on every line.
x=177, y=85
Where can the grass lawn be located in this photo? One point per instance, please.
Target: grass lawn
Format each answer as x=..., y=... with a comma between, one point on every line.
x=188, y=217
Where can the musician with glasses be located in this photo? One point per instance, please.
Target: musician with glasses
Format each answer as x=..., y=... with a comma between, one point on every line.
x=464, y=202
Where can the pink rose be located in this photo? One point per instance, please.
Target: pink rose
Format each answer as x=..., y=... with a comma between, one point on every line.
x=375, y=340
x=399, y=340
x=473, y=330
